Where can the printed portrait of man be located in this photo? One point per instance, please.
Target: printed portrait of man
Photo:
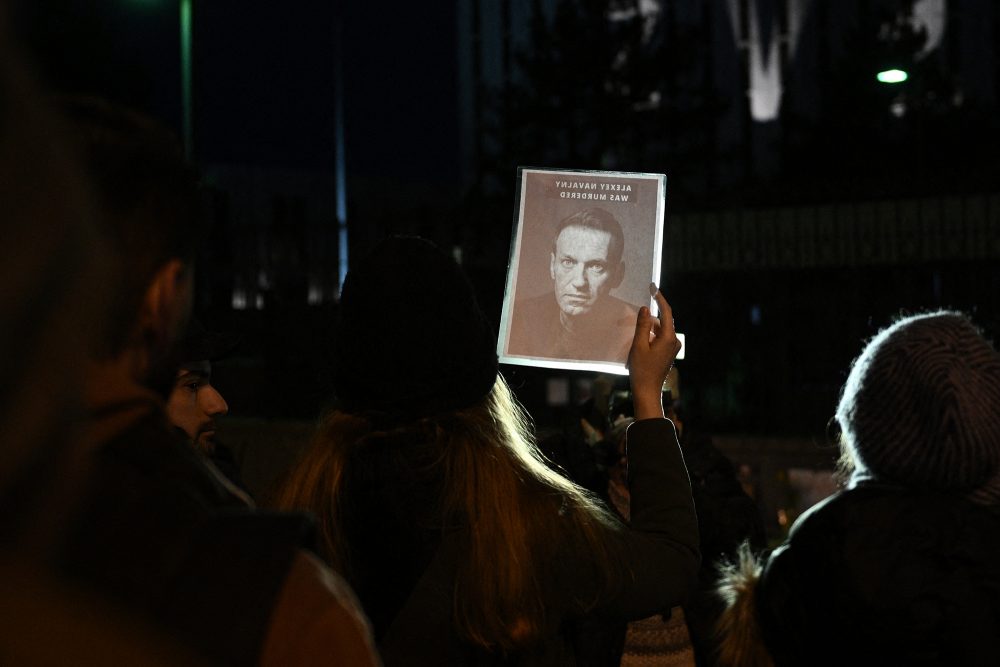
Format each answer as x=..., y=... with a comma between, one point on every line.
x=579, y=318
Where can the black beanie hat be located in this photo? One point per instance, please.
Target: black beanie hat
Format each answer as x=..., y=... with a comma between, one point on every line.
x=921, y=406
x=412, y=340
x=200, y=344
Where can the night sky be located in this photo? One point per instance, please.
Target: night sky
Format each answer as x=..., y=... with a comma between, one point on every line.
x=265, y=76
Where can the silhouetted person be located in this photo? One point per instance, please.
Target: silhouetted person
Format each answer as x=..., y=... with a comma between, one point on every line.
x=157, y=531
x=53, y=267
x=463, y=546
x=903, y=566
x=727, y=518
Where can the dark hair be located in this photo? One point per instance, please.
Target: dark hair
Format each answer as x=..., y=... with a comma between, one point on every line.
x=601, y=220
x=148, y=200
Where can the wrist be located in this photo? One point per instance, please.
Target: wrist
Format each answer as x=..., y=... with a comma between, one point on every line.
x=648, y=405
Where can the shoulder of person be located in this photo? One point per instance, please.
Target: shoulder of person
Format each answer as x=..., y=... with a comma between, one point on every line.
x=883, y=509
x=152, y=458
x=903, y=563
x=317, y=620
x=621, y=311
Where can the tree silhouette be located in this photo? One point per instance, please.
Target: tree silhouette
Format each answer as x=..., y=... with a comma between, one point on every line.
x=601, y=86
x=874, y=140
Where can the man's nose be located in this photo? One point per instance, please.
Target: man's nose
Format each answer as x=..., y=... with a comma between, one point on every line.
x=579, y=276
x=212, y=402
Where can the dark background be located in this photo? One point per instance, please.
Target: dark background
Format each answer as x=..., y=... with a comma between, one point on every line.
x=443, y=100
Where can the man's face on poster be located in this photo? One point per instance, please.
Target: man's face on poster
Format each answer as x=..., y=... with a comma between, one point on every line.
x=582, y=270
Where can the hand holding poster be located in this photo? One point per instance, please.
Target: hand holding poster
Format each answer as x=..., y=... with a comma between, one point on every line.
x=586, y=246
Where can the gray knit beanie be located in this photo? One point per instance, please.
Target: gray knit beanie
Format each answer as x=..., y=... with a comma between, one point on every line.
x=921, y=406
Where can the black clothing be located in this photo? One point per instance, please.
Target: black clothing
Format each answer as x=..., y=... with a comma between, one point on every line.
x=224, y=460
x=727, y=517
x=882, y=575
x=449, y=361
x=403, y=561
x=159, y=533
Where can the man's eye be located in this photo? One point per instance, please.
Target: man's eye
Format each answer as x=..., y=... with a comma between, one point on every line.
x=597, y=269
x=568, y=263
x=192, y=386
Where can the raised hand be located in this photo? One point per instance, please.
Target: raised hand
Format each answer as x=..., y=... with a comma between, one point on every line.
x=654, y=347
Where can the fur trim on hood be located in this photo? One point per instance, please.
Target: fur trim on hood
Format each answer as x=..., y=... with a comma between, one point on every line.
x=741, y=643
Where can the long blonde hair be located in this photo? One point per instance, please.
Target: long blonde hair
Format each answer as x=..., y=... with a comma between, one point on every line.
x=516, y=511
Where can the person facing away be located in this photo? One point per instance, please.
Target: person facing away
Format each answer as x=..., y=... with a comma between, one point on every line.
x=463, y=546
x=579, y=319
x=903, y=566
x=53, y=269
x=727, y=518
x=157, y=531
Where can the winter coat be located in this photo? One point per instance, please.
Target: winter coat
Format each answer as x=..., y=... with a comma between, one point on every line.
x=874, y=575
x=406, y=566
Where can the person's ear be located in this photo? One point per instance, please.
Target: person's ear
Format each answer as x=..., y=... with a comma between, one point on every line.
x=552, y=265
x=166, y=305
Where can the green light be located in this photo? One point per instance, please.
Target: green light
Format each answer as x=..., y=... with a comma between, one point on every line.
x=186, y=76
x=892, y=76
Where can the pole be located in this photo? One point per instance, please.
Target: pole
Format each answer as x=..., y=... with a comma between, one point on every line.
x=340, y=173
x=186, y=78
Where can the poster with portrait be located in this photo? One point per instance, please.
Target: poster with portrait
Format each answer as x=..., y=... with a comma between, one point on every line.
x=586, y=245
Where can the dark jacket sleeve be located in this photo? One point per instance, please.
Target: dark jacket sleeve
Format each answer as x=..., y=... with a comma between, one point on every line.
x=658, y=551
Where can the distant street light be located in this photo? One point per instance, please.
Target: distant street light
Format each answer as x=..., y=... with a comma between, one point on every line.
x=892, y=76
